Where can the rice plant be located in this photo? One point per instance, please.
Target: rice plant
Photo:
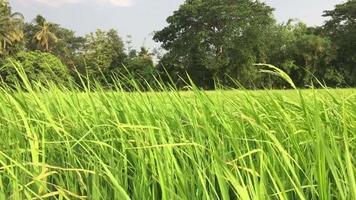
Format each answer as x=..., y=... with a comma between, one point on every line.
x=58, y=143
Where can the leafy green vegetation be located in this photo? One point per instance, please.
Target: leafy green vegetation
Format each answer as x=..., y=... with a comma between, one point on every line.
x=10, y=27
x=38, y=66
x=212, y=42
x=60, y=144
x=69, y=128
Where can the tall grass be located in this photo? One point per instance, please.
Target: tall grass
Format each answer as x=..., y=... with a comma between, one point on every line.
x=65, y=144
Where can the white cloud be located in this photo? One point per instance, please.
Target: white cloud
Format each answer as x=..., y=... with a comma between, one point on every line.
x=122, y=3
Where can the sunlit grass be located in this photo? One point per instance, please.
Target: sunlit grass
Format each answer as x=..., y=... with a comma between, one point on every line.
x=61, y=144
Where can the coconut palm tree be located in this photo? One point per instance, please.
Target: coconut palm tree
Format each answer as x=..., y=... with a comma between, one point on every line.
x=11, y=27
x=44, y=36
x=145, y=54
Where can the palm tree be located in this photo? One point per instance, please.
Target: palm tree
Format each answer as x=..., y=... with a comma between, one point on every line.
x=44, y=36
x=11, y=27
x=145, y=54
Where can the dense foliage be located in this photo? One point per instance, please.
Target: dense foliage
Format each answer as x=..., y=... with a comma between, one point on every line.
x=39, y=67
x=216, y=40
x=209, y=42
x=246, y=145
x=341, y=29
x=65, y=135
x=10, y=27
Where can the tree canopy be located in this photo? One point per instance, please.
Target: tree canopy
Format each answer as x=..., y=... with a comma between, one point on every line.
x=215, y=39
x=341, y=29
x=208, y=42
x=11, y=27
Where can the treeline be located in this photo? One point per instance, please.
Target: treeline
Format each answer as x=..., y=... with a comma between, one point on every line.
x=209, y=42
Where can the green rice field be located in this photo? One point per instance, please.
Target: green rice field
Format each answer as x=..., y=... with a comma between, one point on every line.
x=250, y=145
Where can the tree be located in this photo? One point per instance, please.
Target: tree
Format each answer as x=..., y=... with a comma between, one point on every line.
x=44, y=36
x=67, y=46
x=302, y=54
x=11, y=27
x=39, y=67
x=341, y=29
x=215, y=39
x=140, y=67
x=103, y=52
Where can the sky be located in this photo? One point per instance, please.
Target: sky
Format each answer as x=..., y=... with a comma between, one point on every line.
x=140, y=18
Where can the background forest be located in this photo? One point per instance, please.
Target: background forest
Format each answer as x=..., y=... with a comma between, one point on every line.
x=210, y=42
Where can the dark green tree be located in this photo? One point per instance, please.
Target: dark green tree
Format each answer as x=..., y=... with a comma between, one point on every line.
x=341, y=29
x=215, y=39
x=140, y=67
x=103, y=53
x=303, y=54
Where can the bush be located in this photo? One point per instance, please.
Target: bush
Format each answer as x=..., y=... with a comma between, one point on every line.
x=39, y=67
x=139, y=71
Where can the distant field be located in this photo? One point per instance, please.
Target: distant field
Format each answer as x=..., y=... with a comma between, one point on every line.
x=178, y=145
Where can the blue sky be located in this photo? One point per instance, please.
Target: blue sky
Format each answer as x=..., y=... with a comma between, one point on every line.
x=140, y=18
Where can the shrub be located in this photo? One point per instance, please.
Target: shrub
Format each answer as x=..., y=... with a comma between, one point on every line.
x=39, y=67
